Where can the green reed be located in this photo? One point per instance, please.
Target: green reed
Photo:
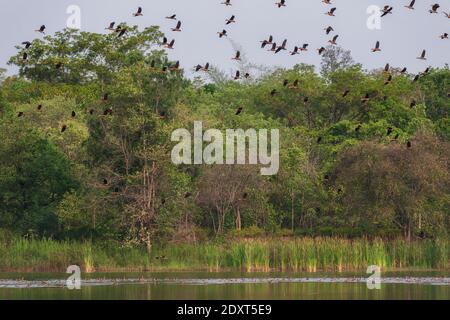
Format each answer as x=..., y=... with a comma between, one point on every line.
x=299, y=254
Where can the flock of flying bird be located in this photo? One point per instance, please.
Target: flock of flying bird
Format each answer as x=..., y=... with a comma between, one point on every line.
x=121, y=29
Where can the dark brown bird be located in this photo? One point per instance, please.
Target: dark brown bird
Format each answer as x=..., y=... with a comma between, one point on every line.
x=63, y=128
x=388, y=81
x=386, y=10
x=434, y=8
x=266, y=42
x=411, y=5
x=239, y=111
x=223, y=33
x=41, y=29
x=138, y=13
x=26, y=44
x=237, y=56
x=280, y=4
x=333, y=41
x=231, y=20
x=111, y=27
x=422, y=56
x=331, y=12
x=177, y=27
x=166, y=44
x=366, y=98
x=377, y=47
x=175, y=66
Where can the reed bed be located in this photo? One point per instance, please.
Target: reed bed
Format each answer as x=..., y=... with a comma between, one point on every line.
x=300, y=254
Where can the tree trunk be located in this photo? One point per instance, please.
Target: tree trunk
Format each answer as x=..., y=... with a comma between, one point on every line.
x=238, y=218
x=292, y=211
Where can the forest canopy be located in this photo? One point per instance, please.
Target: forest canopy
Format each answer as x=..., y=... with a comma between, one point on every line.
x=85, y=151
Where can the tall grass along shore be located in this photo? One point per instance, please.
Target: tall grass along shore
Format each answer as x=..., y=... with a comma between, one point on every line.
x=302, y=254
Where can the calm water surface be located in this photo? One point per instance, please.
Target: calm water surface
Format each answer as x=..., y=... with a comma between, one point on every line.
x=226, y=286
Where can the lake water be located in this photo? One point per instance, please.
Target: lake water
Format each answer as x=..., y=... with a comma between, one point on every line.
x=227, y=286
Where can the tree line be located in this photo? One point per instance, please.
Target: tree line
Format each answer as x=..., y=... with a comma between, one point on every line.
x=85, y=151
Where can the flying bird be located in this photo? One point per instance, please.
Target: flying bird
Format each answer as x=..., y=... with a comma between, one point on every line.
x=294, y=85
x=280, y=4
x=41, y=29
x=331, y=12
x=304, y=47
x=175, y=66
x=274, y=47
x=168, y=45
x=422, y=56
x=122, y=31
x=411, y=5
x=237, y=56
x=388, y=81
x=27, y=44
x=266, y=42
x=111, y=27
x=172, y=17
x=377, y=47
x=366, y=98
x=223, y=33
x=227, y=3
x=434, y=8
x=295, y=51
x=178, y=27
x=333, y=41
x=231, y=20
x=386, y=10
x=282, y=47
x=138, y=13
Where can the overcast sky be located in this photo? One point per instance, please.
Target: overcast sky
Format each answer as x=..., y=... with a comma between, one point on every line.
x=403, y=35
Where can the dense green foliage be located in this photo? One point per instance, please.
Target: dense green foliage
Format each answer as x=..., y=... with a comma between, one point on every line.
x=348, y=168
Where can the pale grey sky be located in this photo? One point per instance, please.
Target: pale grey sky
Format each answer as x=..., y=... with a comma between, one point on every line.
x=403, y=35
